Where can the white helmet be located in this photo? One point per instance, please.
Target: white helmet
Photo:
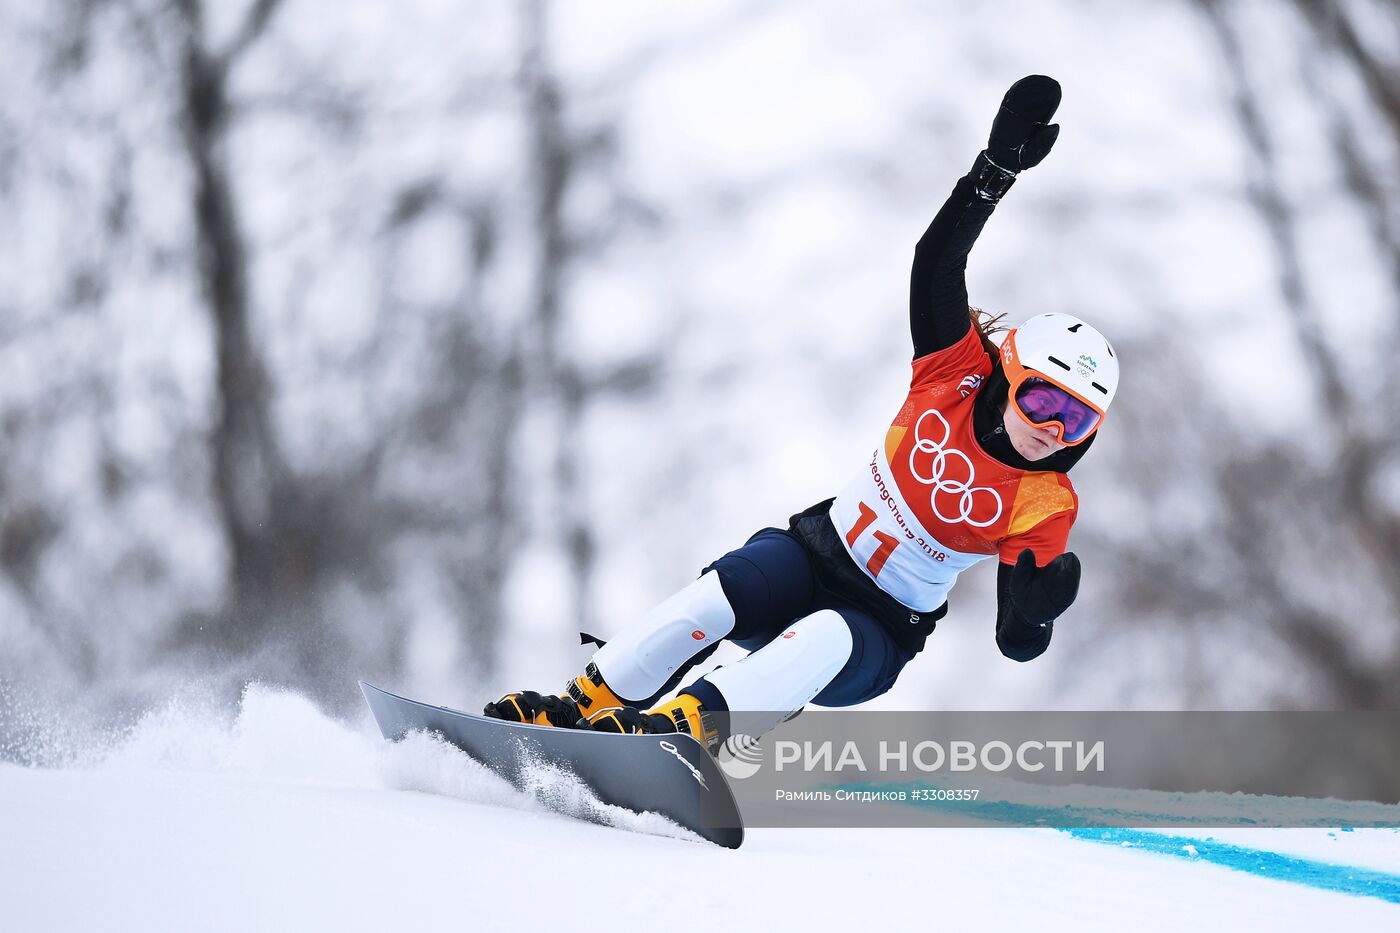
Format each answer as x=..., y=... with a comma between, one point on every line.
x=1065, y=351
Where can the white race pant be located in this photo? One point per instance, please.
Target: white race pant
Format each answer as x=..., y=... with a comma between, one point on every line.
x=644, y=655
x=785, y=674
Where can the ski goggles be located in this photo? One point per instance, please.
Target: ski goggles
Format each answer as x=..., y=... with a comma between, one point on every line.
x=1041, y=402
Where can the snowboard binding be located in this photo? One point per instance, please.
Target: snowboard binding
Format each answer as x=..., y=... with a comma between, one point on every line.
x=591, y=704
x=682, y=714
x=535, y=708
x=587, y=695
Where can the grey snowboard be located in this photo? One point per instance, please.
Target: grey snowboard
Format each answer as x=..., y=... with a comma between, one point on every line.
x=671, y=775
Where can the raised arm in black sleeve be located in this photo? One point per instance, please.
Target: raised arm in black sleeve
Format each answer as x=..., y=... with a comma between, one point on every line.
x=938, y=315
x=1021, y=136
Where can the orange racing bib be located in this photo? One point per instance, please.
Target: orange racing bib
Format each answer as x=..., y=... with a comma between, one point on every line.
x=930, y=502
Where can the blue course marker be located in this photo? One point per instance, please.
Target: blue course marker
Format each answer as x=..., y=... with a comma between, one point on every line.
x=1344, y=879
x=1086, y=823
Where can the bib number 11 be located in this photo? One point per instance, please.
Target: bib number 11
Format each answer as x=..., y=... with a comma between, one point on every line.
x=887, y=542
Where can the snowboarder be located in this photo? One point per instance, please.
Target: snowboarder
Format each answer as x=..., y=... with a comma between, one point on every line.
x=834, y=606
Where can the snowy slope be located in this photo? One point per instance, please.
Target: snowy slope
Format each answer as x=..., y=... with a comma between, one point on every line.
x=287, y=819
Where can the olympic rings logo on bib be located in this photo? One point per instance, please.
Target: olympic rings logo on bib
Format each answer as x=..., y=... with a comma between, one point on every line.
x=966, y=492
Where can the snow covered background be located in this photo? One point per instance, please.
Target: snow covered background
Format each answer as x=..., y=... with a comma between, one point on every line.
x=284, y=818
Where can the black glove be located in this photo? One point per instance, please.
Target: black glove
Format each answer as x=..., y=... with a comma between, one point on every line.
x=1041, y=594
x=1021, y=135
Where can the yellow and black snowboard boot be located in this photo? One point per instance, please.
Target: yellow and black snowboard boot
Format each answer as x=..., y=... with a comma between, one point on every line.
x=682, y=714
x=586, y=696
x=539, y=709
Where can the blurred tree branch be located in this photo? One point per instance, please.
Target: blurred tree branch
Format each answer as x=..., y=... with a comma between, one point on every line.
x=1291, y=548
x=557, y=156
x=255, y=22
